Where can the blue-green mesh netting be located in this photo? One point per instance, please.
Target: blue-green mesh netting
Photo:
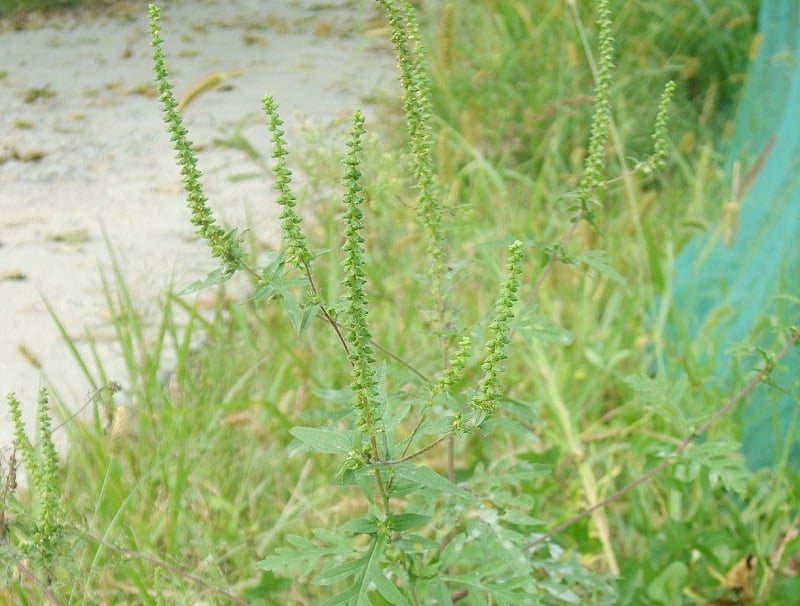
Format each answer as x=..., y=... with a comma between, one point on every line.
x=728, y=295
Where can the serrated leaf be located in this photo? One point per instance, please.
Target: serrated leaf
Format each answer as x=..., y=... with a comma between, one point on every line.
x=494, y=568
x=437, y=592
x=522, y=471
x=562, y=593
x=328, y=441
x=493, y=581
x=415, y=543
x=343, y=599
x=294, y=311
x=287, y=560
x=724, y=462
x=275, y=281
x=407, y=521
x=436, y=427
x=519, y=518
x=304, y=555
x=661, y=397
x=365, y=525
x=331, y=537
x=386, y=588
x=598, y=260
x=218, y=276
x=508, y=426
x=309, y=313
x=369, y=577
x=333, y=572
x=427, y=478
x=533, y=327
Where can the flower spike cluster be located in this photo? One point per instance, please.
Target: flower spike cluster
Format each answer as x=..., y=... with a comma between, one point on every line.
x=358, y=334
x=224, y=245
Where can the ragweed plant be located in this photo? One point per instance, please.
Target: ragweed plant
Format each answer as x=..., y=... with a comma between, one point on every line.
x=38, y=537
x=594, y=166
x=658, y=158
x=486, y=401
x=385, y=374
x=223, y=245
x=295, y=243
x=427, y=535
x=423, y=535
x=411, y=60
x=362, y=361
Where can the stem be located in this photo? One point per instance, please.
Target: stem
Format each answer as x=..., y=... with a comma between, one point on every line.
x=451, y=463
x=379, y=481
x=324, y=310
x=420, y=452
x=553, y=257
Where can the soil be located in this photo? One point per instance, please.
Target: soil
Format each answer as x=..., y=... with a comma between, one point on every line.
x=87, y=173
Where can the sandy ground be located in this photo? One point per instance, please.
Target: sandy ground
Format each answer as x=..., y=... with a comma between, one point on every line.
x=83, y=152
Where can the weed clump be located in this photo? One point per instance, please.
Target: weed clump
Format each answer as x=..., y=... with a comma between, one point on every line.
x=451, y=423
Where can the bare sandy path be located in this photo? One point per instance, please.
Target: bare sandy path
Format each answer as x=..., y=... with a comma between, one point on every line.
x=83, y=149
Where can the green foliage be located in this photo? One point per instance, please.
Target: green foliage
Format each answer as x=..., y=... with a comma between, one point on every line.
x=388, y=482
x=442, y=414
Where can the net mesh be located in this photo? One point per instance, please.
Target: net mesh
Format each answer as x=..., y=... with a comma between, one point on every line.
x=746, y=287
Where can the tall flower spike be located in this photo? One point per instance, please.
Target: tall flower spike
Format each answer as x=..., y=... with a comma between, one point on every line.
x=660, y=149
x=43, y=473
x=48, y=488
x=21, y=442
x=417, y=108
x=358, y=334
x=294, y=240
x=224, y=246
x=601, y=118
x=486, y=400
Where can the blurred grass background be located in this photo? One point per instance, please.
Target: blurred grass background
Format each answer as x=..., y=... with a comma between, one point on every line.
x=17, y=11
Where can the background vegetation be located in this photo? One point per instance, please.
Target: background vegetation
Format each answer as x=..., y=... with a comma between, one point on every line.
x=204, y=480
x=19, y=9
